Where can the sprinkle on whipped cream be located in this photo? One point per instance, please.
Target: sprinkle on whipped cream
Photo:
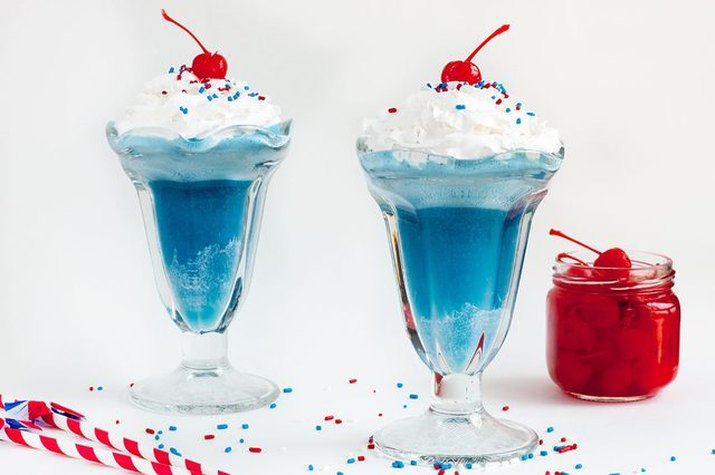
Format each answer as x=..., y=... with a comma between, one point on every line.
x=179, y=101
x=463, y=121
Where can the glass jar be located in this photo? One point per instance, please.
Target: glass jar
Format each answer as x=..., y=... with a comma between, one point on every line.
x=613, y=334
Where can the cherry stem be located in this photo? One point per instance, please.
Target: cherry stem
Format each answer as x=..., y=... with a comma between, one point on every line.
x=497, y=32
x=171, y=20
x=566, y=255
x=555, y=232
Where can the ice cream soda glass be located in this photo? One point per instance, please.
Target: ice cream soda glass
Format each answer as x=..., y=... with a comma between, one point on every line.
x=202, y=200
x=458, y=230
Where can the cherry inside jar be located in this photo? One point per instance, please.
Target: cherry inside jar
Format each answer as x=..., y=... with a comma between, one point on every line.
x=613, y=334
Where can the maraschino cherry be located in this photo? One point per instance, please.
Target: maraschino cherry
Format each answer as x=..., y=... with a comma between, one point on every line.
x=206, y=65
x=466, y=71
x=612, y=258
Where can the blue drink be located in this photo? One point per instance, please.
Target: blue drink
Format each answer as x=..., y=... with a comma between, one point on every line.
x=202, y=201
x=458, y=231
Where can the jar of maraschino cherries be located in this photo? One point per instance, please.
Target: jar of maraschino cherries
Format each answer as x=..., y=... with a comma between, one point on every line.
x=613, y=330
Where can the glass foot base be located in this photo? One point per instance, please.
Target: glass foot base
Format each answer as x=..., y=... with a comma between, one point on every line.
x=204, y=391
x=478, y=439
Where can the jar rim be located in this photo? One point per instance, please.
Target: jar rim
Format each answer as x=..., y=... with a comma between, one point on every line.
x=648, y=269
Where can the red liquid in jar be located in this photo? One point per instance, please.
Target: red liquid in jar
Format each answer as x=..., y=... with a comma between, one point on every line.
x=610, y=342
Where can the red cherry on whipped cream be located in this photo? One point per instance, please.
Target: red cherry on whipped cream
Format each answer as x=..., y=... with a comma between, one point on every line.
x=466, y=71
x=206, y=65
x=614, y=257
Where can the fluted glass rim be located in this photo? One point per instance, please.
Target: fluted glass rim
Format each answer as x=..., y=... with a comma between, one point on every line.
x=425, y=156
x=275, y=136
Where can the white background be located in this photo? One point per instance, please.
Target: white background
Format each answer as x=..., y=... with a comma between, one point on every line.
x=629, y=84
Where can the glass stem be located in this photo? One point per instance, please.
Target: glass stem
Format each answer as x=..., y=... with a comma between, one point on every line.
x=206, y=351
x=457, y=394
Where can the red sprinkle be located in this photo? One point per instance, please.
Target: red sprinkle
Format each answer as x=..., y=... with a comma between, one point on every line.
x=117, y=421
x=338, y=421
x=261, y=98
x=209, y=437
x=563, y=439
x=498, y=101
x=379, y=414
x=352, y=381
x=329, y=418
x=541, y=441
x=164, y=93
x=505, y=408
x=91, y=388
x=568, y=448
x=371, y=446
x=361, y=458
x=391, y=110
x=149, y=431
x=255, y=450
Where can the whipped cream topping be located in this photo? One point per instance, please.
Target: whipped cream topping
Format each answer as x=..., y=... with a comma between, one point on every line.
x=463, y=121
x=179, y=101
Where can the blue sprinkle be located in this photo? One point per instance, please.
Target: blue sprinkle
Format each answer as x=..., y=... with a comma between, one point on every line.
x=399, y=385
x=227, y=449
x=531, y=456
x=446, y=466
x=230, y=99
x=215, y=96
x=518, y=121
x=350, y=460
x=429, y=85
x=236, y=96
x=543, y=453
x=99, y=388
x=404, y=406
x=161, y=446
x=518, y=104
x=468, y=466
x=202, y=89
x=184, y=110
x=310, y=468
x=339, y=473
x=171, y=70
x=494, y=97
x=414, y=396
x=524, y=457
x=160, y=432
x=287, y=390
x=460, y=107
x=549, y=429
x=273, y=405
x=156, y=437
x=210, y=98
x=508, y=109
x=413, y=462
x=578, y=466
x=398, y=464
x=240, y=441
x=244, y=426
x=172, y=428
x=222, y=426
x=246, y=88
x=318, y=427
x=672, y=458
x=174, y=451
x=530, y=114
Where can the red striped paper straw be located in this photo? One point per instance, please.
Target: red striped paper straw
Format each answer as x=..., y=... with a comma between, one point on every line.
x=116, y=442
x=75, y=450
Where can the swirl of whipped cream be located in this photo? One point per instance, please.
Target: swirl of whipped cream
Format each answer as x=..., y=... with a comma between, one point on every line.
x=463, y=121
x=179, y=101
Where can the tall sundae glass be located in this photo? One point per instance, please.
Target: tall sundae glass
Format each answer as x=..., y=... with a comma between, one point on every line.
x=200, y=151
x=458, y=171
